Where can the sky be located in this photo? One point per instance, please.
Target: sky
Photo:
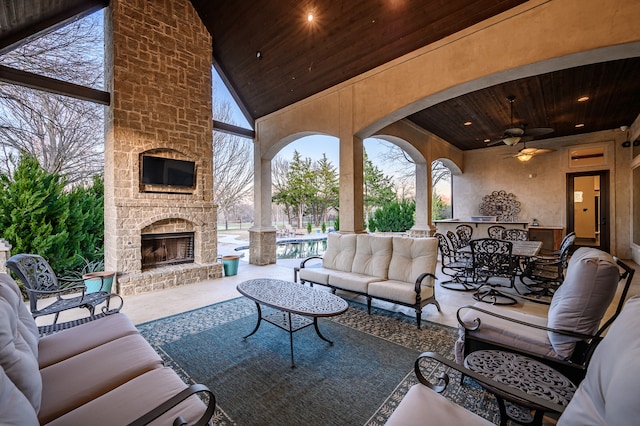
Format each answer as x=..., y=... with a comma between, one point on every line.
x=314, y=146
x=310, y=146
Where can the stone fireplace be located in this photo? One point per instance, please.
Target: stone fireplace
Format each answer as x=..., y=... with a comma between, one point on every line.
x=160, y=250
x=158, y=235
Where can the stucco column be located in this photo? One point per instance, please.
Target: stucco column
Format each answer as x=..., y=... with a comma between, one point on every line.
x=422, y=227
x=262, y=235
x=351, y=185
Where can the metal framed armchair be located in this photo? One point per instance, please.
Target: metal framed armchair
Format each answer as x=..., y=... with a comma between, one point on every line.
x=567, y=336
x=464, y=233
x=542, y=275
x=515, y=235
x=495, y=231
x=456, y=266
x=493, y=264
x=40, y=282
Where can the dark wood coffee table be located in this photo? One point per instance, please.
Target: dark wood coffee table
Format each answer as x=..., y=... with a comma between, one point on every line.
x=297, y=306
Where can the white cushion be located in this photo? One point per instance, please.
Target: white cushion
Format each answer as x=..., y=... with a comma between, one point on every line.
x=15, y=409
x=412, y=257
x=17, y=356
x=421, y=406
x=350, y=281
x=610, y=392
x=583, y=298
x=373, y=254
x=399, y=291
x=315, y=275
x=341, y=249
x=506, y=333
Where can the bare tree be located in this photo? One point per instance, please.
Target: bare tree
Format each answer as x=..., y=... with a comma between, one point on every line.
x=232, y=165
x=400, y=161
x=65, y=135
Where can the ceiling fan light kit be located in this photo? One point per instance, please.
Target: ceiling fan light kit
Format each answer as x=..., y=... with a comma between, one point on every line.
x=511, y=140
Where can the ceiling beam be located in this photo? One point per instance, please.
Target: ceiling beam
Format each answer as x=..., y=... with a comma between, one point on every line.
x=219, y=126
x=52, y=85
x=50, y=23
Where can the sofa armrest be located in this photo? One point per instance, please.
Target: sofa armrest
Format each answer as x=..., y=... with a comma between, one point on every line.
x=421, y=278
x=174, y=401
x=500, y=389
x=477, y=323
x=304, y=262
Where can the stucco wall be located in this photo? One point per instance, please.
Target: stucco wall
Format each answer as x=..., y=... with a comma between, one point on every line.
x=540, y=184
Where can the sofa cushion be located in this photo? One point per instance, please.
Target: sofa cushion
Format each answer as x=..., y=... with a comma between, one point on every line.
x=17, y=357
x=609, y=393
x=412, y=257
x=73, y=341
x=15, y=408
x=583, y=298
x=134, y=398
x=315, y=275
x=350, y=281
x=372, y=256
x=422, y=406
x=341, y=248
x=75, y=381
x=399, y=291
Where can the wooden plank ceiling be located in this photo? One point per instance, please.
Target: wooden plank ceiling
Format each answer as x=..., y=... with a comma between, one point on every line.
x=298, y=58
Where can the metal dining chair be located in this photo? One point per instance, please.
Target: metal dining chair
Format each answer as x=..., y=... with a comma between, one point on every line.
x=464, y=233
x=493, y=264
x=454, y=265
x=495, y=231
x=515, y=235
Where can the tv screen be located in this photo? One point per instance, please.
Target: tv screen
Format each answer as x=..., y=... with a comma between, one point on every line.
x=168, y=172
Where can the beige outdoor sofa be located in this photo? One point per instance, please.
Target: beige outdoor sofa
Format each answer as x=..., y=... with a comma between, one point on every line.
x=391, y=268
x=102, y=372
x=608, y=395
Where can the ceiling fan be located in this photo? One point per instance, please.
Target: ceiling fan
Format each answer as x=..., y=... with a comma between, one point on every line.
x=513, y=135
x=525, y=154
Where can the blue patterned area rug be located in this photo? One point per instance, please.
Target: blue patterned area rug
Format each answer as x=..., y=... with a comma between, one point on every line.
x=359, y=380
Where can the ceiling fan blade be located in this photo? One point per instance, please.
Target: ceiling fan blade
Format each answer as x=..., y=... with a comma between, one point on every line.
x=514, y=131
x=538, y=131
x=499, y=141
x=541, y=151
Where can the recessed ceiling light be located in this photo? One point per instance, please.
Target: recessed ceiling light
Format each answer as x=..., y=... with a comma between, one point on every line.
x=580, y=125
x=310, y=17
x=487, y=140
x=583, y=98
x=468, y=123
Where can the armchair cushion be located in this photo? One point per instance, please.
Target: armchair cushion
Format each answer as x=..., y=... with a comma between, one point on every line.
x=341, y=249
x=582, y=300
x=421, y=406
x=609, y=393
x=15, y=409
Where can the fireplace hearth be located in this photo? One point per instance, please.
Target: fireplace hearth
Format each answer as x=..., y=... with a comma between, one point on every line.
x=167, y=249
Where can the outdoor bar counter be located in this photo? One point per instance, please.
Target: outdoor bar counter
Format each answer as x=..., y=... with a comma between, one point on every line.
x=551, y=236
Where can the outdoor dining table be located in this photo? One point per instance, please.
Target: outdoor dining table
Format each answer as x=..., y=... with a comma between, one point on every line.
x=520, y=249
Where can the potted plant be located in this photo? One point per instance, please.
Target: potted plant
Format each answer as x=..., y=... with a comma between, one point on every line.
x=94, y=276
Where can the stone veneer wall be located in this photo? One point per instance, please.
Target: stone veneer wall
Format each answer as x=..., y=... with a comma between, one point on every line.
x=158, y=69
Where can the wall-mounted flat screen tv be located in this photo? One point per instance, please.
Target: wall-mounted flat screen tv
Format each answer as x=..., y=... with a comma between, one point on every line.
x=168, y=172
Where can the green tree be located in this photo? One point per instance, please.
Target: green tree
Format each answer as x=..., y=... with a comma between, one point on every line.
x=38, y=216
x=91, y=203
x=439, y=209
x=395, y=216
x=378, y=188
x=326, y=190
x=298, y=191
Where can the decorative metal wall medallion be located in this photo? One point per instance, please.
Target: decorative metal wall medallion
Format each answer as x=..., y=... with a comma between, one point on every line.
x=502, y=205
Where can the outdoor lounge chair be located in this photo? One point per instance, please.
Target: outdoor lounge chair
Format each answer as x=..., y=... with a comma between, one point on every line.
x=41, y=282
x=606, y=396
x=567, y=337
